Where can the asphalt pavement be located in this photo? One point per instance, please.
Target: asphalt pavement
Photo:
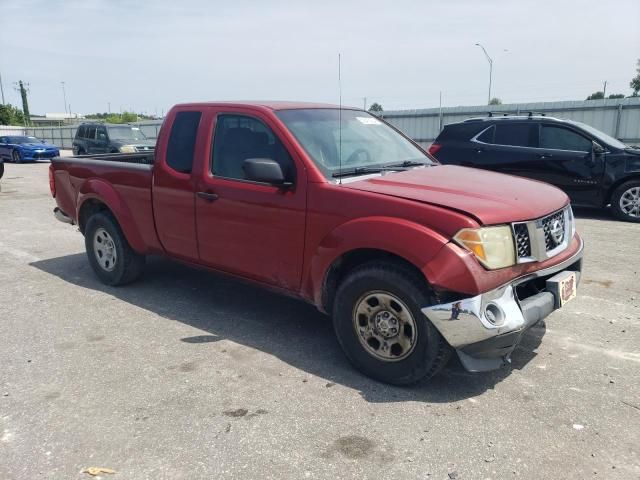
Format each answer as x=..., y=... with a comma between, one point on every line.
x=187, y=375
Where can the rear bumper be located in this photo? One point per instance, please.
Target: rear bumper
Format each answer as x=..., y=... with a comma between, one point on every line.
x=486, y=328
x=63, y=217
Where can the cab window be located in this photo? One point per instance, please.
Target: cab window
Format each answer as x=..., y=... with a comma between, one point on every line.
x=238, y=138
x=182, y=141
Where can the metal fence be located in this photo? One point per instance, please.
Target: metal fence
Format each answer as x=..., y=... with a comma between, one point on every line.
x=619, y=118
x=63, y=136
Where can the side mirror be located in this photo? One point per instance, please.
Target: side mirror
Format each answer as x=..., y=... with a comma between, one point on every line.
x=264, y=170
x=596, y=148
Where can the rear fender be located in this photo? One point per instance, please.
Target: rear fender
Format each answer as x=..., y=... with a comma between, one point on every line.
x=96, y=189
x=414, y=242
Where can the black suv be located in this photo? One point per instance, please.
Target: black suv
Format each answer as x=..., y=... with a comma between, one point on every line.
x=92, y=138
x=593, y=168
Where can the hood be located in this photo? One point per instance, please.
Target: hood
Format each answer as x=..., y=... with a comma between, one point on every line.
x=491, y=198
x=36, y=145
x=143, y=143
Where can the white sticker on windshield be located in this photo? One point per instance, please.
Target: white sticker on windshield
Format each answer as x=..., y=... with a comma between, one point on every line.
x=368, y=120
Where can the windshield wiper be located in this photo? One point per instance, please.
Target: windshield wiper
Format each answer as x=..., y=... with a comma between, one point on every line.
x=408, y=163
x=363, y=170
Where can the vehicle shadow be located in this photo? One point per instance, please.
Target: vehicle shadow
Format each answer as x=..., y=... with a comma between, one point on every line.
x=593, y=213
x=293, y=331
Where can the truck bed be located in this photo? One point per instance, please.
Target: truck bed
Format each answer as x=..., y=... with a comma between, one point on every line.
x=123, y=178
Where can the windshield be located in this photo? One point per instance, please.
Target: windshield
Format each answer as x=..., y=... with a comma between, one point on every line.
x=126, y=133
x=613, y=142
x=366, y=141
x=23, y=140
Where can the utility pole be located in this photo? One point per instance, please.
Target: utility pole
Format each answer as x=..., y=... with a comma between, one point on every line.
x=440, y=114
x=490, y=60
x=109, y=107
x=64, y=95
x=22, y=88
x=604, y=90
x=364, y=103
x=1, y=89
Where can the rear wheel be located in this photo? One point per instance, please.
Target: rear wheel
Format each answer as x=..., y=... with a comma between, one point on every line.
x=380, y=327
x=15, y=157
x=110, y=255
x=625, y=201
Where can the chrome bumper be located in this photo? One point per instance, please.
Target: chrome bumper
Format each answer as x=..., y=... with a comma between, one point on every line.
x=486, y=328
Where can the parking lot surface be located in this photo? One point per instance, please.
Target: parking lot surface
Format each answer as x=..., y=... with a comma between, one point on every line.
x=186, y=374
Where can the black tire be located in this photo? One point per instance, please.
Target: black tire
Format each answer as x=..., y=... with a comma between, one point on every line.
x=81, y=152
x=616, y=208
x=128, y=264
x=430, y=351
x=1, y=168
x=15, y=157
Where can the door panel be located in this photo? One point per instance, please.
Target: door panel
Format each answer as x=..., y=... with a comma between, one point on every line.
x=174, y=183
x=251, y=229
x=565, y=160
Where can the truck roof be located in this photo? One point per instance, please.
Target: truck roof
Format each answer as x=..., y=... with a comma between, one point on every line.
x=268, y=104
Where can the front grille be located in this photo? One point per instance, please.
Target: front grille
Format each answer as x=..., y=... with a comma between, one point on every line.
x=537, y=240
x=554, y=230
x=523, y=243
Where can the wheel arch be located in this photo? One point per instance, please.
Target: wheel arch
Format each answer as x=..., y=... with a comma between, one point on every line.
x=632, y=176
x=351, y=260
x=365, y=239
x=97, y=196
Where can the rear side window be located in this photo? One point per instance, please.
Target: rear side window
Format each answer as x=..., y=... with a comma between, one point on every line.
x=559, y=138
x=487, y=135
x=514, y=134
x=90, y=132
x=81, y=129
x=182, y=141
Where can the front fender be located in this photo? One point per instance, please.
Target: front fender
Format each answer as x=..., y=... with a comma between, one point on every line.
x=409, y=240
x=97, y=189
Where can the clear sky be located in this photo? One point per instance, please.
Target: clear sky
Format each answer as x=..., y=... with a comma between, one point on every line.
x=147, y=55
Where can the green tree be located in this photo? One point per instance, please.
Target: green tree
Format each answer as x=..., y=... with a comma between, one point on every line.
x=10, y=115
x=376, y=108
x=495, y=101
x=616, y=95
x=124, y=117
x=596, y=96
x=635, y=82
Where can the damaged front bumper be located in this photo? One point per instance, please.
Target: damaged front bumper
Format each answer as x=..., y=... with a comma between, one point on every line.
x=485, y=329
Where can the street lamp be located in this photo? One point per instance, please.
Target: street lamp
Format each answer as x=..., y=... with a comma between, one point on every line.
x=490, y=69
x=64, y=95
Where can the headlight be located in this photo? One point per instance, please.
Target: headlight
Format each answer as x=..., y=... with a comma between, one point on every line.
x=492, y=246
x=128, y=149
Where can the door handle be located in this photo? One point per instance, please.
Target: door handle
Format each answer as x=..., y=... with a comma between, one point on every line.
x=208, y=196
x=479, y=150
x=545, y=155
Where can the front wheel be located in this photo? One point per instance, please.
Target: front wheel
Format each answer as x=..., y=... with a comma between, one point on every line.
x=380, y=327
x=625, y=201
x=110, y=255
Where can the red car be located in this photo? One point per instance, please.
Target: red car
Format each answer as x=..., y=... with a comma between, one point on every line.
x=413, y=260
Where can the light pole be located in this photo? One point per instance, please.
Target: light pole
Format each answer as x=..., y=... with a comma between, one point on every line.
x=490, y=69
x=64, y=95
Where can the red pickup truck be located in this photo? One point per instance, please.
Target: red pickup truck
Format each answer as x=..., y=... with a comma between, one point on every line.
x=413, y=260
